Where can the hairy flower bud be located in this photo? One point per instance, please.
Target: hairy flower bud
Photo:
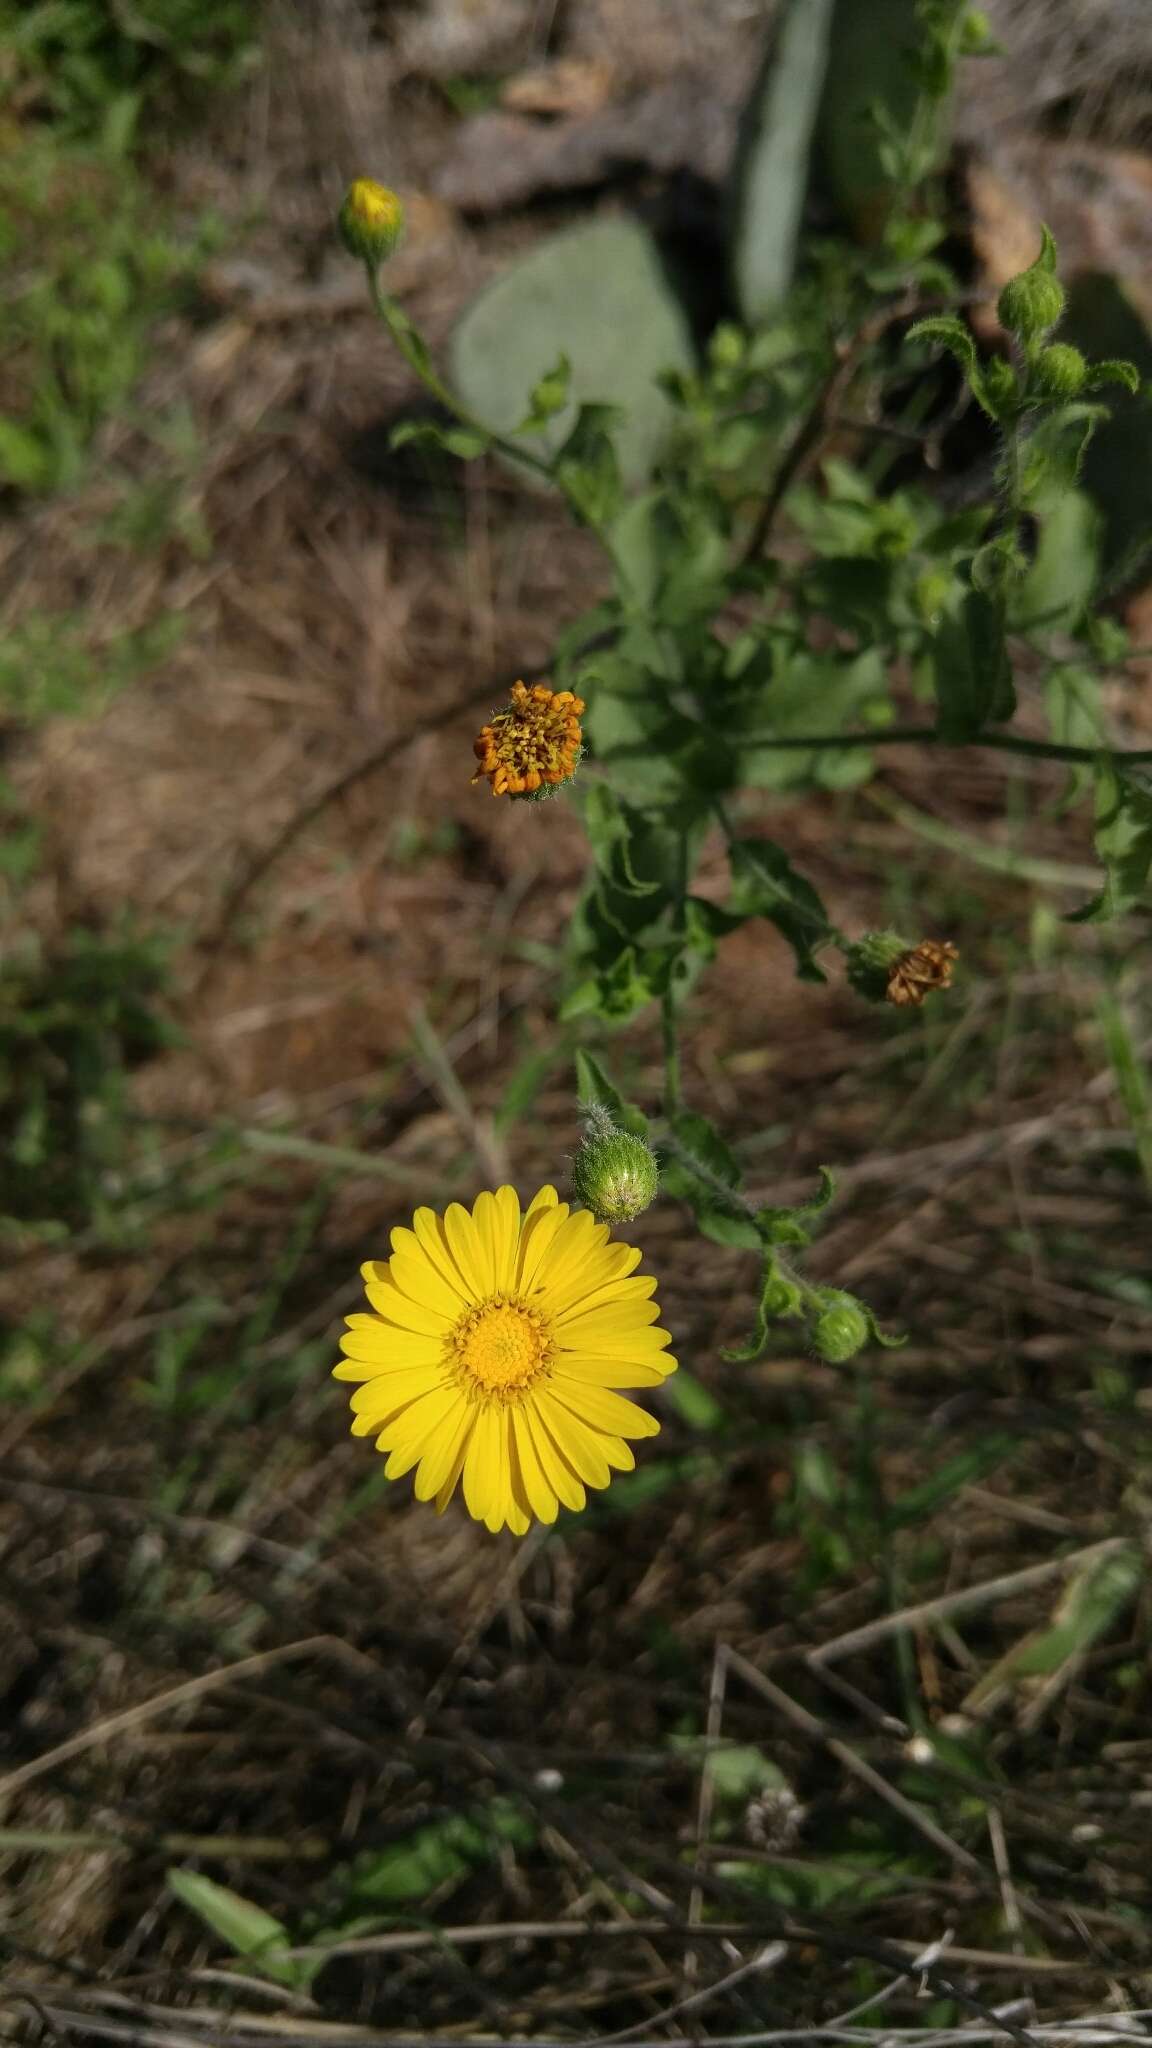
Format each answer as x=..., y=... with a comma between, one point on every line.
x=1033, y=302
x=1059, y=371
x=371, y=221
x=841, y=1329
x=613, y=1174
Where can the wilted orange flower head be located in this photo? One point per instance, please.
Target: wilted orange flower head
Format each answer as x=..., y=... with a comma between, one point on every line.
x=535, y=740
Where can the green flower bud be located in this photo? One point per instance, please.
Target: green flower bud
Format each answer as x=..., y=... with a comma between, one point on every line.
x=1059, y=371
x=870, y=962
x=1033, y=302
x=371, y=221
x=613, y=1174
x=841, y=1329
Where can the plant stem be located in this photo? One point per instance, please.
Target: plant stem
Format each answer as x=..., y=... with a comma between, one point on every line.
x=415, y=355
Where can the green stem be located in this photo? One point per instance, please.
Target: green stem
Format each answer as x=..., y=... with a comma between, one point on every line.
x=416, y=356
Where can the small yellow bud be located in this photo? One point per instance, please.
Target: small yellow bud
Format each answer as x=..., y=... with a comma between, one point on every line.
x=371, y=221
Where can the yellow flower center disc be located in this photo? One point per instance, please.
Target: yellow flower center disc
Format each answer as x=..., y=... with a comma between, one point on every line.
x=501, y=1347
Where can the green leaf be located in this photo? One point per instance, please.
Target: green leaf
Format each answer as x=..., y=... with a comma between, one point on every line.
x=699, y=1168
x=1114, y=371
x=25, y=458
x=618, y=991
x=948, y=332
x=586, y=466
x=788, y=1226
x=594, y=1086
x=771, y=175
x=248, y=1930
x=703, y=1151
x=778, y=1297
x=1060, y=582
x=785, y=692
x=969, y=1466
x=405, y=1873
x=1123, y=842
x=765, y=884
x=549, y=397
x=973, y=677
x=1091, y=1602
x=462, y=442
x=597, y=295
x=1054, y=454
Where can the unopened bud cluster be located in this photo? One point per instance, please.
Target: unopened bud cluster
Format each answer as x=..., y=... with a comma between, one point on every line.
x=614, y=1174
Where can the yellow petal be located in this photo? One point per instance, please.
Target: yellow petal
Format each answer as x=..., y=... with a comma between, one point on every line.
x=529, y=1482
x=432, y=1238
x=395, y=1307
x=638, y=1342
x=505, y=1215
x=518, y=1521
x=577, y=1240
x=386, y=1409
x=443, y=1459
x=546, y=1198
x=615, y=1372
x=482, y=1464
x=415, y=1426
x=604, y=1272
x=390, y=1392
x=418, y=1279
x=639, y=1288
x=383, y=1345
x=621, y=1319
x=536, y=1237
x=557, y=1471
x=464, y=1244
x=580, y=1445
x=602, y=1409
x=484, y=1224
x=501, y=1503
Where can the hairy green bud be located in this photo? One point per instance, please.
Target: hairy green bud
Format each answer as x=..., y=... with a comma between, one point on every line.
x=1033, y=302
x=1059, y=371
x=613, y=1174
x=841, y=1329
x=371, y=221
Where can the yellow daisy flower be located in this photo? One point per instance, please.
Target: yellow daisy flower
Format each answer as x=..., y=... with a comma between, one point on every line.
x=493, y=1354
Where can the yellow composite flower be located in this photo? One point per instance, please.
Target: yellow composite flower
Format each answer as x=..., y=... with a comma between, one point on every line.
x=493, y=1355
